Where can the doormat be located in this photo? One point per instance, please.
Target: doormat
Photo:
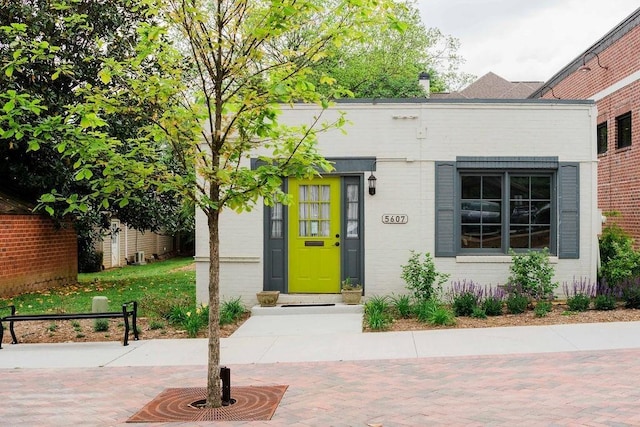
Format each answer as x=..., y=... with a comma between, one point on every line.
x=254, y=403
x=309, y=305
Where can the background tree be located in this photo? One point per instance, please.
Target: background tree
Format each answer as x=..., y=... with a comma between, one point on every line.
x=386, y=63
x=49, y=49
x=211, y=107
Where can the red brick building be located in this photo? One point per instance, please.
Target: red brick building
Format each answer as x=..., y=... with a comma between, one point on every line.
x=609, y=73
x=35, y=254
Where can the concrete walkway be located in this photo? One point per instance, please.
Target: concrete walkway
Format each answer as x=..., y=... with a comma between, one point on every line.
x=581, y=374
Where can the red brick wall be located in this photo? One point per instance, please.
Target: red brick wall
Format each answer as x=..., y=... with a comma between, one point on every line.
x=618, y=169
x=35, y=255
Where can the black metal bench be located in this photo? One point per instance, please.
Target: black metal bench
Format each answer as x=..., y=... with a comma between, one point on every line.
x=125, y=314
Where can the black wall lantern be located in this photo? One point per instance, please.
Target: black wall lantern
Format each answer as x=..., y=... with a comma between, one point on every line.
x=372, y=184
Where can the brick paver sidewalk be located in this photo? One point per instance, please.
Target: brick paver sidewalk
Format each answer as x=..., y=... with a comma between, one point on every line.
x=579, y=388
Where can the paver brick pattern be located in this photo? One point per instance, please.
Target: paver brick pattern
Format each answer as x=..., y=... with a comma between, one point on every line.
x=595, y=388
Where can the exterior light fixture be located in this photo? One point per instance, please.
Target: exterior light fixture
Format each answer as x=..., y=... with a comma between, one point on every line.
x=372, y=184
x=586, y=68
x=551, y=90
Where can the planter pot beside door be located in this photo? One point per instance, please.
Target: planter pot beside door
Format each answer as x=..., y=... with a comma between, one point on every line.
x=268, y=298
x=351, y=296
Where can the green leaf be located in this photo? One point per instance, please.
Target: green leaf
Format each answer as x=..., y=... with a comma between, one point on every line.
x=105, y=76
x=49, y=210
x=9, y=106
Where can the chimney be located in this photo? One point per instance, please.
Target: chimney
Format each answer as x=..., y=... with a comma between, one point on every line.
x=424, y=81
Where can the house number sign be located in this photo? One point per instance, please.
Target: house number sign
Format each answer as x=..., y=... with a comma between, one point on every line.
x=395, y=218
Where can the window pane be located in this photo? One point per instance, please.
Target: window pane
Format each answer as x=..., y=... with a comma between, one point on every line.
x=520, y=187
x=471, y=187
x=276, y=221
x=540, y=187
x=352, y=211
x=623, y=125
x=602, y=136
x=491, y=187
x=481, y=216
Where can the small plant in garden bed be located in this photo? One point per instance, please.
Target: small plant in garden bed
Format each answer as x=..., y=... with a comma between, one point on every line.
x=579, y=294
x=434, y=312
x=631, y=293
x=402, y=306
x=376, y=313
x=532, y=274
x=604, y=302
x=542, y=308
x=465, y=296
x=517, y=303
x=101, y=325
x=231, y=311
x=493, y=301
x=421, y=276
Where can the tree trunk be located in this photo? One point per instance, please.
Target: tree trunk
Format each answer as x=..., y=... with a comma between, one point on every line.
x=214, y=389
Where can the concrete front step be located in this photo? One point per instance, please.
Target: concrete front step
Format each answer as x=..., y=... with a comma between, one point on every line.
x=291, y=309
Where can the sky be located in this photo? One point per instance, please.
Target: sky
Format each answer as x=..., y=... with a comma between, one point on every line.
x=523, y=40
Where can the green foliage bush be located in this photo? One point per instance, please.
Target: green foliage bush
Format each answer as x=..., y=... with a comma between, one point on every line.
x=532, y=274
x=517, y=303
x=492, y=306
x=101, y=325
x=433, y=312
x=619, y=261
x=479, y=313
x=376, y=313
x=631, y=294
x=402, y=305
x=231, y=311
x=89, y=261
x=579, y=302
x=604, y=302
x=421, y=276
x=542, y=308
x=464, y=304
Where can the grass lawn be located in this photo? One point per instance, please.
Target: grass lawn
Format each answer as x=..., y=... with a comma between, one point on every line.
x=160, y=281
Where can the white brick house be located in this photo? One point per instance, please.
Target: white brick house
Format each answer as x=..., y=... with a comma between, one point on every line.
x=464, y=180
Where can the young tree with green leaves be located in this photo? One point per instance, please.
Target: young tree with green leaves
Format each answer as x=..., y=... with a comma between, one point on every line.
x=216, y=94
x=387, y=63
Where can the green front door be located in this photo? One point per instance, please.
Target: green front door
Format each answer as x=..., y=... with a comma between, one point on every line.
x=314, y=236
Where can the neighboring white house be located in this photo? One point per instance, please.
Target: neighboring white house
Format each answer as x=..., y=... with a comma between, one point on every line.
x=123, y=245
x=464, y=180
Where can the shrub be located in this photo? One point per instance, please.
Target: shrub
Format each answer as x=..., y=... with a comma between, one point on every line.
x=163, y=306
x=463, y=305
x=493, y=301
x=465, y=296
x=376, y=313
x=101, y=325
x=542, y=308
x=433, y=312
x=619, y=261
x=421, y=276
x=579, y=302
x=532, y=273
x=604, y=302
x=517, y=303
x=579, y=294
x=231, y=311
x=479, y=313
x=402, y=306
x=631, y=294
x=195, y=320
x=156, y=324
x=89, y=261
x=492, y=306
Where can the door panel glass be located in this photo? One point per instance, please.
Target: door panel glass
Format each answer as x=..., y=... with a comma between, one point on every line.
x=352, y=211
x=314, y=211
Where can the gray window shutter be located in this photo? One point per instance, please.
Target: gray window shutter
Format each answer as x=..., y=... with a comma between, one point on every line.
x=445, y=197
x=569, y=210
